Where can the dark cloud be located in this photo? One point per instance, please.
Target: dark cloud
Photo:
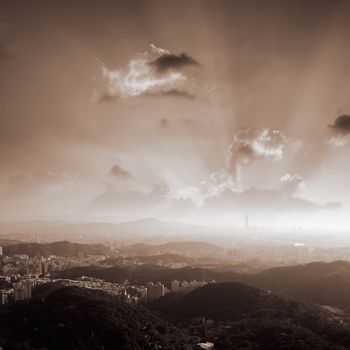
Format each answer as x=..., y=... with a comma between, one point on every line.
x=342, y=124
x=170, y=93
x=177, y=93
x=168, y=61
x=106, y=97
x=164, y=123
x=119, y=172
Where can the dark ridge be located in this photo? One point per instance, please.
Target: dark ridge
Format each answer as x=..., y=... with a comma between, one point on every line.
x=62, y=248
x=78, y=318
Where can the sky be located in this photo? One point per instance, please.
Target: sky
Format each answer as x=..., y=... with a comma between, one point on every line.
x=193, y=111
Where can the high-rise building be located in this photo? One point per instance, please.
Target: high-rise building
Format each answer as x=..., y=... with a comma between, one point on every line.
x=18, y=291
x=185, y=287
x=175, y=286
x=3, y=297
x=0, y=251
x=40, y=268
x=27, y=289
x=44, y=268
x=22, y=290
x=154, y=291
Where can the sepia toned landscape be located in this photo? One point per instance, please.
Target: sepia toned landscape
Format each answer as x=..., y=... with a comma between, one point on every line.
x=174, y=175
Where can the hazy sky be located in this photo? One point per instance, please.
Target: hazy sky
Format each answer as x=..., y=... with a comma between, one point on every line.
x=197, y=111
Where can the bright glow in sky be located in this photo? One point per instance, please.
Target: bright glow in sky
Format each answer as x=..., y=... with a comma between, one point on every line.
x=119, y=112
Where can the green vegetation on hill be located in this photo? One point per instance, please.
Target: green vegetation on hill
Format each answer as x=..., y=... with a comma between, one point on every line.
x=244, y=317
x=321, y=283
x=256, y=316
x=255, y=334
x=78, y=318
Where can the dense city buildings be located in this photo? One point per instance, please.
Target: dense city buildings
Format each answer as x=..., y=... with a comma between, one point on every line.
x=155, y=291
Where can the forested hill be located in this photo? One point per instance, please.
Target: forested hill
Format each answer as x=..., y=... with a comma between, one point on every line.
x=319, y=282
x=256, y=318
x=243, y=317
x=78, y=318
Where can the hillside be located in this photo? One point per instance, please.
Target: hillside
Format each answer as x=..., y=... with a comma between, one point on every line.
x=221, y=302
x=63, y=248
x=319, y=282
x=256, y=316
x=193, y=249
x=139, y=274
x=244, y=317
x=161, y=259
x=76, y=318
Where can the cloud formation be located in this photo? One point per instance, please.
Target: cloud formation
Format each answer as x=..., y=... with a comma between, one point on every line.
x=164, y=123
x=341, y=130
x=256, y=143
x=222, y=192
x=214, y=186
x=172, y=93
x=119, y=172
x=342, y=124
x=291, y=184
x=253, y=144
x=168, y=61
x=152, y=72
x=248, y=145
x=338, y=140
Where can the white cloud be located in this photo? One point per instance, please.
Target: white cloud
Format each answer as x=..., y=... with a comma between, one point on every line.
x=292, y=183
x=214, y=186
x=140, y=77
x=256, y=143
x=248, y=145
x=338, y=141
